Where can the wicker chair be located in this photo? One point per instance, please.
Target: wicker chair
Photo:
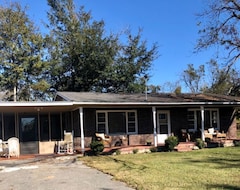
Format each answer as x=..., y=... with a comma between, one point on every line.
x=13, y=147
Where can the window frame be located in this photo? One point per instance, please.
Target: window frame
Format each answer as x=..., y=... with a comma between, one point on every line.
x=106, y=122
x=211, y=110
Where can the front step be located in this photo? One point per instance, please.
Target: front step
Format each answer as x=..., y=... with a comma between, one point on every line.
x=185, y=146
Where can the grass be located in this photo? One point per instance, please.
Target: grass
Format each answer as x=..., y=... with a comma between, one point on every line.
x=216, y=168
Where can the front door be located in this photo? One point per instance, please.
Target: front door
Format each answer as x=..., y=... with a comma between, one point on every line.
x=163, y=125
x=28, y=134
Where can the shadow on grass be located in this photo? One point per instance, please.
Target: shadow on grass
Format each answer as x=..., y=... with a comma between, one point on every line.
x=223, y=186
x=220, y=159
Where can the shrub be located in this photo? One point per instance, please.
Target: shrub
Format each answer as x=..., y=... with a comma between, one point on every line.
x=200, y=143
x=236, y=143
x=153, y=149
x=118, y=152
x=171, y=142
x=135, y=151
x=96, y=147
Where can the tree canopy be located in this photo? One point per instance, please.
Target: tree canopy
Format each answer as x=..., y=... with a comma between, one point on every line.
x=88, y=59
x=219, y=29
x=77, y=54
x=22, y=68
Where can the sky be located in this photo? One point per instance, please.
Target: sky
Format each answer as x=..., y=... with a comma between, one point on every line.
x=170, y=24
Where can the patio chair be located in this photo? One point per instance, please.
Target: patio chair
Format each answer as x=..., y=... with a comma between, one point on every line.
x=13, y=147
x=66, y=146
x=221, y=135
x=106, y=139
x=185, y=136
x=208, y=135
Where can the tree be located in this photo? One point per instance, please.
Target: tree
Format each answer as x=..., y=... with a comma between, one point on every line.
x=87, y=59
x=221, y=28
x=213, y=79
x=222, y=82
x=129, y=71
x=22, y=67
x=193, y=77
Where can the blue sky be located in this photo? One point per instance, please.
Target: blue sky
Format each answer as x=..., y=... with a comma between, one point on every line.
x=172, y=24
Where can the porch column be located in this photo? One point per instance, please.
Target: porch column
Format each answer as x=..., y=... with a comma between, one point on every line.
x=202, y=123
x=154, y=126
x=81, y=129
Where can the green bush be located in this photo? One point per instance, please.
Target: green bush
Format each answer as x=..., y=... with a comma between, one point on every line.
x=118, y=152
x=200, y=143
x=135, y=151
x=153, y=149
x=96, y=147
x=236, y=143
x=171, y=142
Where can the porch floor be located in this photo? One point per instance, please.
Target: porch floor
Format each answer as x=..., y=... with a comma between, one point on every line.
x=182, y=146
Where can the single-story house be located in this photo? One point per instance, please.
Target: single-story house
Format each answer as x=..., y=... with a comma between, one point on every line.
x=132, y=119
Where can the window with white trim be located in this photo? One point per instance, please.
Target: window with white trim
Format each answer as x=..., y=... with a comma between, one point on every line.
x=211, y=119
x=116, y=122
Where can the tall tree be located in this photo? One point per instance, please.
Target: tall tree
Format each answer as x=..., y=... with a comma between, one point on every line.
x=222, y=81
x=88, y=59
x=80, y=49
x=130, y=69
x=193, y=78
x=21, y=48
x=220, y=27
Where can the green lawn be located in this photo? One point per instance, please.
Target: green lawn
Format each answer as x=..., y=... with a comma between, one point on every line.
x=216, y=168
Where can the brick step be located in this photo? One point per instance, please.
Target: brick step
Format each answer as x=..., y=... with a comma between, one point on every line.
x=185, y=146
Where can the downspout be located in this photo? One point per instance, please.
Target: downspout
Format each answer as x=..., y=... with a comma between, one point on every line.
x=81, y=129
x=202, y=123
x=154, y=126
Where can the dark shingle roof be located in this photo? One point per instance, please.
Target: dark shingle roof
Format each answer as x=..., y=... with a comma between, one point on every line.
x=159, y=97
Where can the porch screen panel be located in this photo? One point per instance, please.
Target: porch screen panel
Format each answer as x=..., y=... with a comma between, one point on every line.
x=76, y=123
x=207, y=120
x=117, y=122
x=44, y=128
x=67, y=121
x=55, y=127
x=9, y=126
x=28, y=128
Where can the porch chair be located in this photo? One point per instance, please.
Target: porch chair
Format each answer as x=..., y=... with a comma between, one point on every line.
x=185, y=136
x=66, y=146
x=221, y=135
x=106, y=139
x=208, y=134
x=13, y=147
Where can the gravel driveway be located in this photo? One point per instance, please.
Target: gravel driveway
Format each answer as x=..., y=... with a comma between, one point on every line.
x=60, y=173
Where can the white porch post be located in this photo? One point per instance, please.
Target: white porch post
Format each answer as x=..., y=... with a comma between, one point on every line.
x=154, y=125
x=202, y=123
x=81, y=129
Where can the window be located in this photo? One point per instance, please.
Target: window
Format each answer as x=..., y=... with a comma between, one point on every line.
x=116, y=122
x=162, y=123
x=211, y=119
x=101, y=122
x=191, y=120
